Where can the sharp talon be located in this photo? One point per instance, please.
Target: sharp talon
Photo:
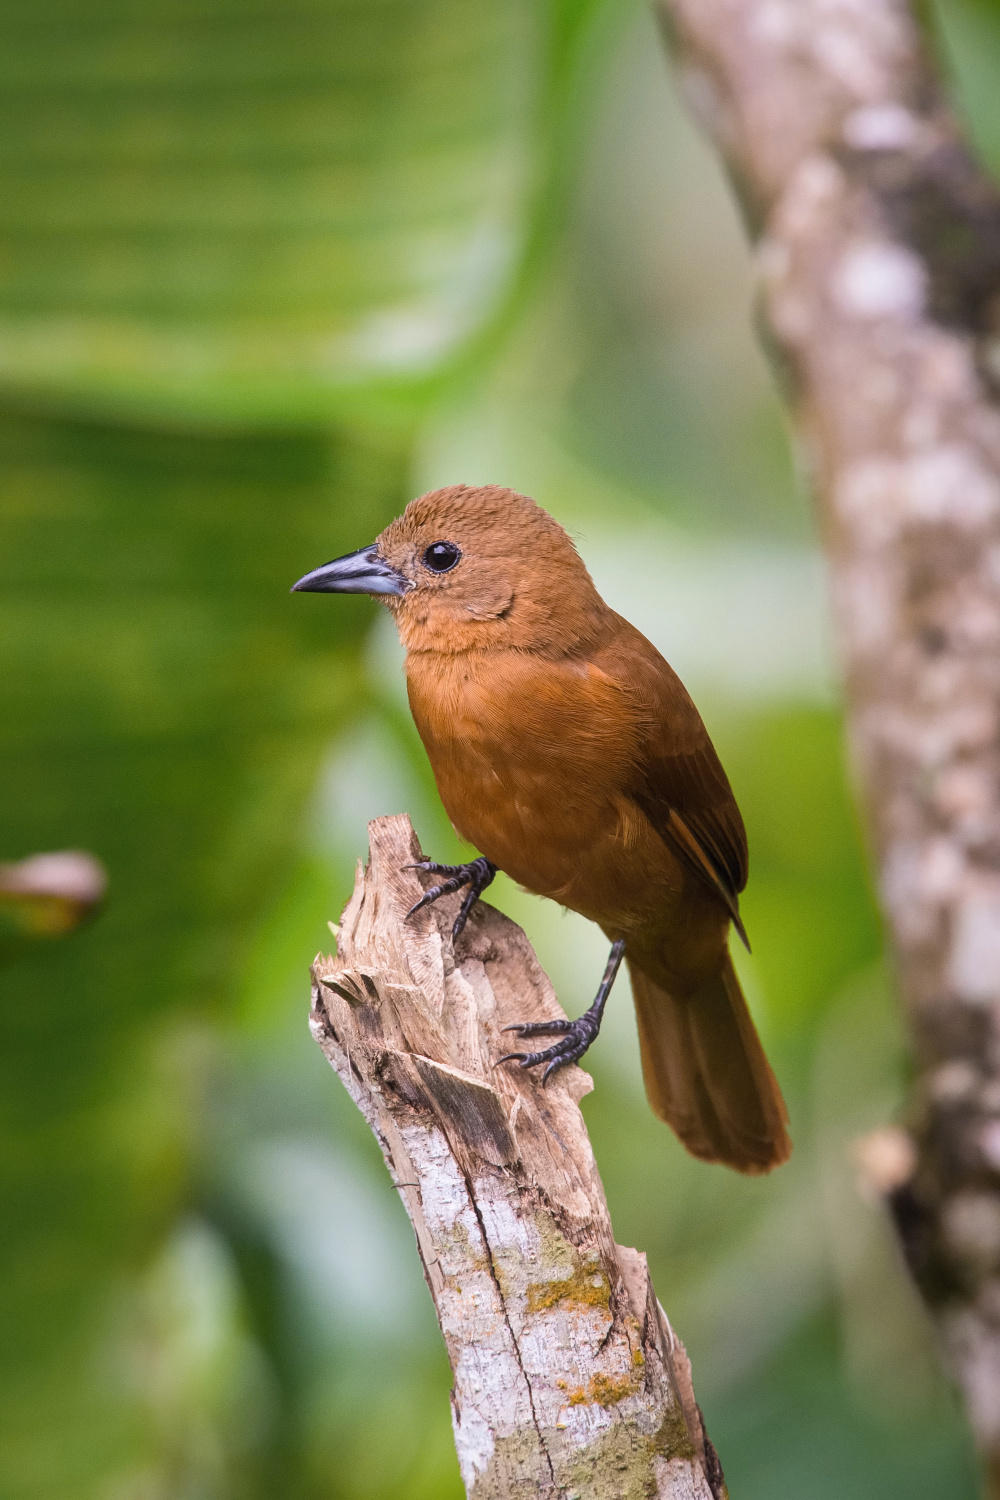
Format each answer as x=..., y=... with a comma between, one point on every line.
x=476, y=875
x=577, y=1035
x=541, y=1028
x=576, y=1038
x=425, y=900
x=529, y=1059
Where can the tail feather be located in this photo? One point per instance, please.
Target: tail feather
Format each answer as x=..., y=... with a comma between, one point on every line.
x=706, y=1074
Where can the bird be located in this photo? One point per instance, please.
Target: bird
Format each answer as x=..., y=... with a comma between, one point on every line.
x=568, y=752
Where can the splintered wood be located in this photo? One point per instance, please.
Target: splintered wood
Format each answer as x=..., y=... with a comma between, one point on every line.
x=569, y=1380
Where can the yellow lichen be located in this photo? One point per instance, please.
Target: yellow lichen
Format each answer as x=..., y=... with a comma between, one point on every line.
x=605, y=1390
x=587, y=1287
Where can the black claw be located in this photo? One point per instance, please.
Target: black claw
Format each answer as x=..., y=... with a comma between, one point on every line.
x=576, y=1035
x=445, y=889
x=541, y=1028
x=477, y=875
x=430, y=868
x=464, y=910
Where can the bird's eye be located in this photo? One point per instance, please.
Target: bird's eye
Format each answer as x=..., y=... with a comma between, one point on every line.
x=440, y=556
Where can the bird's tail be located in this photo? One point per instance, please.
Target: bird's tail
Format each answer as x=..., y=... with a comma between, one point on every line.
x=706, y=1074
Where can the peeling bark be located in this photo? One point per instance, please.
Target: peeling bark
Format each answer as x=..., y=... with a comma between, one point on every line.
x=569, y=1380
x=878, y=249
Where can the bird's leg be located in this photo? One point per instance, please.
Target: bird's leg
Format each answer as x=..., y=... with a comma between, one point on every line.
x=477, y=875
x=576, y=1035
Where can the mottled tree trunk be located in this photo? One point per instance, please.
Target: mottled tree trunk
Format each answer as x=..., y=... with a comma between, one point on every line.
x=569, y=1380
x=878, y=249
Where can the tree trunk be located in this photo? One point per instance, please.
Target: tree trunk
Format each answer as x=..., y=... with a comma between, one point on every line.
x=569, y=1380
x=878, y=247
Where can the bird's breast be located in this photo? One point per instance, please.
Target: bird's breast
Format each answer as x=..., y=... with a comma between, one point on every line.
x=532, y=760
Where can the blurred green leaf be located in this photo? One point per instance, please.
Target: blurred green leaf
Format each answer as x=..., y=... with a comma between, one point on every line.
x=165, y=702
x=238, y=214
x=249, y=209
x=968, y=33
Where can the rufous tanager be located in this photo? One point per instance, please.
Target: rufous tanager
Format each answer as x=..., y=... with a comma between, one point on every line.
x=568, y=751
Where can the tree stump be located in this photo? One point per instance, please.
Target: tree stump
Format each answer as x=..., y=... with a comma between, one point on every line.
x=569, y=1380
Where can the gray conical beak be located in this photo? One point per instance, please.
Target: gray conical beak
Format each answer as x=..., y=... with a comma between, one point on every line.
x=361, y=572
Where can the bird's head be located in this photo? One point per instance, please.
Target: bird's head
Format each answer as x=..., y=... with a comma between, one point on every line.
x=473, y=569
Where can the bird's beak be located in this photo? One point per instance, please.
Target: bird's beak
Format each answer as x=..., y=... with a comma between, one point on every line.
x=361, y=572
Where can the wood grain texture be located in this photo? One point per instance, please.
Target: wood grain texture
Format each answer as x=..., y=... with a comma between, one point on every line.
x=568, y=1377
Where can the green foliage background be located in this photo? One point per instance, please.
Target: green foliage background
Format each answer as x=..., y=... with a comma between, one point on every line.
x=266, y=271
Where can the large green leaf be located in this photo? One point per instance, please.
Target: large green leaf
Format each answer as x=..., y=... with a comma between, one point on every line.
x=232, y=216
x=247, y=208
x=164, y=703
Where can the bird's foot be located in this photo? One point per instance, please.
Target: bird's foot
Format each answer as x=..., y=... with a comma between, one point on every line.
x=576, y=1035
x=576, y=1038
x=477, y=875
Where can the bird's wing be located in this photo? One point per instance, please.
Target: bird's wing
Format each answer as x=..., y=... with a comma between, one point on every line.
x=677, y=778
x=687, y=799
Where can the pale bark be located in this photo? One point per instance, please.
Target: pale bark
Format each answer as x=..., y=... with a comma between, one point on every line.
x=569, y=1380
x=878, y=248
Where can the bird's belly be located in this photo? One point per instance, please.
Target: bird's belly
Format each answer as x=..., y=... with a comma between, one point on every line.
x=560, y=837
x=531, y=770
x=533, y=760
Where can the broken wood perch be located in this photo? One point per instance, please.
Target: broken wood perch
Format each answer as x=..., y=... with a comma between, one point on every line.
x=569, y=1380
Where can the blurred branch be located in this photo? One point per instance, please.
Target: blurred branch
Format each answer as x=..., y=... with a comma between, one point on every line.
x=568, y=1376
x=879, y=258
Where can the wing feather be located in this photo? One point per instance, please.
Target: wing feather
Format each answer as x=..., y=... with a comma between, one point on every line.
x=677, y=777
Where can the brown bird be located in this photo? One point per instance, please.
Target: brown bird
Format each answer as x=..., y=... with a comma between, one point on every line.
x=568, y=751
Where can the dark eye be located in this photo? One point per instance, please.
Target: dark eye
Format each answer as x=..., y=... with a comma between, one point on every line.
x=440, y=556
